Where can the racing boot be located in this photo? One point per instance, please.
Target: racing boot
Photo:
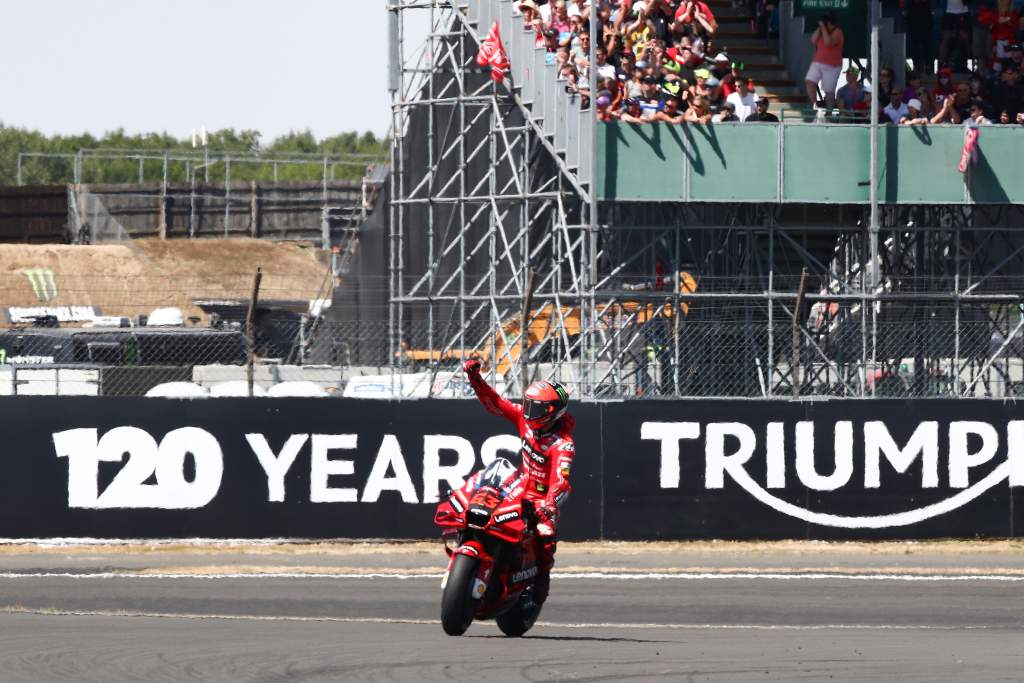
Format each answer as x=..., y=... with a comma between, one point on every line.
x=545, y=561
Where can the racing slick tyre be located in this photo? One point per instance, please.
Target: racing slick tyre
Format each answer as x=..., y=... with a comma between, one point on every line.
x=520, y=619
x=457, y=603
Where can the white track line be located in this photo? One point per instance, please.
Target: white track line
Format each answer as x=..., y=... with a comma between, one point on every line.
x=540, y=624
x=598, y=576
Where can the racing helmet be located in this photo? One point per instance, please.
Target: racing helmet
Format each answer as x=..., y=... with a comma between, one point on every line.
x=543, y=404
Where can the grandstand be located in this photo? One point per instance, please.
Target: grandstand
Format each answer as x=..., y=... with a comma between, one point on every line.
x=517, y=223
x=510, y=199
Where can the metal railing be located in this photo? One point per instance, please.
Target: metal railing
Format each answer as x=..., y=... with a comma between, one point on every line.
x=204, y=165
x=69, y=333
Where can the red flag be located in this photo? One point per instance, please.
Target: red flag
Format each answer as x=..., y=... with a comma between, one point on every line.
x=970, y=152
x=492, y=53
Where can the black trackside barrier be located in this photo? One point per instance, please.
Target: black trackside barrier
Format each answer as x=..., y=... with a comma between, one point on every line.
x=327, y=468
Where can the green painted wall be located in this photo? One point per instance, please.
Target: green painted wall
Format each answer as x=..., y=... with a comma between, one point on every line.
x=820, y=163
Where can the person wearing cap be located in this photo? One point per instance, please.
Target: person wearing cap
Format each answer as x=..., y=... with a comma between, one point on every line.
x=532, y=21
x=650, y=98
x=700, y=83
x=671, y=86
x=852, y=96
x=726, y=114
x=742, y=99
x=827, y=40
x=715, y=96
x=631, y=111
x=722, y=66
x=913, y=117
x=761, y=113
x=604, y=106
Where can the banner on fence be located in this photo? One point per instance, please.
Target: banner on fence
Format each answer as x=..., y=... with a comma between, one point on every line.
x=314, y=468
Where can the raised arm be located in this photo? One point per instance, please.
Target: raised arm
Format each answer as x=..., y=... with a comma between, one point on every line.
x=495, y=404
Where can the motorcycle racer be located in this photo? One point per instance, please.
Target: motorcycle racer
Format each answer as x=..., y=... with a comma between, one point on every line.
x=547, y=451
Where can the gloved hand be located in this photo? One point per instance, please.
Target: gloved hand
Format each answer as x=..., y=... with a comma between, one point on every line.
x=471, y=366
x=546, y=518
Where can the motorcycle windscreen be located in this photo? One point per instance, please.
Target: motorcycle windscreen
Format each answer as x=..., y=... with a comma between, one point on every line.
x=495, y=474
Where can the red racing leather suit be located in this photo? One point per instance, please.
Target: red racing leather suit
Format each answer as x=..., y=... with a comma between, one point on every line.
x=547, y=463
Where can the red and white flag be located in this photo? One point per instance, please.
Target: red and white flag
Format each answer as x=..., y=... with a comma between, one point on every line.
x=970, y=151
x=492, y=53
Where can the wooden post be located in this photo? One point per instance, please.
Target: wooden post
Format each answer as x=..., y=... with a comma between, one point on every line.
x=524, y=330
x=250, y=327
x=795, y=360
x=254, y=210
x=163, y=202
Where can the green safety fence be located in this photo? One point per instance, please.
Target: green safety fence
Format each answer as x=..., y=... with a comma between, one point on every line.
x=806, y=163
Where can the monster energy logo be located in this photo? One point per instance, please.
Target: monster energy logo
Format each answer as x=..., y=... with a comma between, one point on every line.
x=43, y=283
x=562, y=393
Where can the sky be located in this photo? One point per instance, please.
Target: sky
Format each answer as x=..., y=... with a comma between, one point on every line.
x=73, y=66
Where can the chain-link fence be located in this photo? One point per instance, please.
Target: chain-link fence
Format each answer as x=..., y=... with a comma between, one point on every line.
x=170, y=334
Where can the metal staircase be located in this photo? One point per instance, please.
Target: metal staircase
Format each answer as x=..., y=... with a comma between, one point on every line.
x=556, y=114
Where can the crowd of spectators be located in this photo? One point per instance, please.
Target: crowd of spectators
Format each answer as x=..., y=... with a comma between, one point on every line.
x=949, y=98
x=975, y=74
x=656, y=60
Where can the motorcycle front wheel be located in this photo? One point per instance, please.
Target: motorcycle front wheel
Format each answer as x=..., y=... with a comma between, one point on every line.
x=457, y=603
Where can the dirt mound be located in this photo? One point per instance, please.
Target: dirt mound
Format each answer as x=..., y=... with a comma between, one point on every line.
x=136, y=277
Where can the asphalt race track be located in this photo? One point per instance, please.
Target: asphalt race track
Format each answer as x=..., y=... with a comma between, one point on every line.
x=107, y=617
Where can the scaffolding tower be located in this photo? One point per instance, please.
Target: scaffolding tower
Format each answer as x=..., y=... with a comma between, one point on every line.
x=494, y=219
x=486, y=218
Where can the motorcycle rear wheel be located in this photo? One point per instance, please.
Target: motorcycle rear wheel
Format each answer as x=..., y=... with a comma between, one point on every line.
x=457, y=604
x=521, y=618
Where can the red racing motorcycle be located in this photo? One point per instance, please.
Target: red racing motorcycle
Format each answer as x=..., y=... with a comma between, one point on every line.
x=487, y=527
